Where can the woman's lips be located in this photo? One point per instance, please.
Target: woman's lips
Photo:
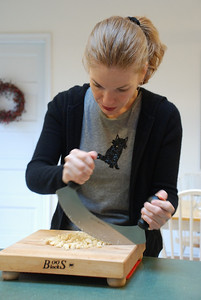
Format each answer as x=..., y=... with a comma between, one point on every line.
x=108, y=108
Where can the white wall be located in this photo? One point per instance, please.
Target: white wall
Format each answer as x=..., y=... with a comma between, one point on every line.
x=70, y=21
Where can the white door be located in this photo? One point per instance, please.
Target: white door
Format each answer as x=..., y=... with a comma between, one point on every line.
x=24, y=61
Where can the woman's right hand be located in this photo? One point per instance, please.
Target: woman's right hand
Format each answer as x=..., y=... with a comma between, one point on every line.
x=79, y=166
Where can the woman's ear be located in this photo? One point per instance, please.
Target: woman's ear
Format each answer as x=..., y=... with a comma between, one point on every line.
x=144, y=70
x=143, y=73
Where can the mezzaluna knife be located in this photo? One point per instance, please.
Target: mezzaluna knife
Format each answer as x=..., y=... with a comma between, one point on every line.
x=89, y=223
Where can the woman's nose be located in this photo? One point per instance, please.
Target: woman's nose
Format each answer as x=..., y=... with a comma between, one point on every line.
x=107, y=98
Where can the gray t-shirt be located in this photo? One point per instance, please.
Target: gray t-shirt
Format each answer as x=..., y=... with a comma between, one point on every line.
x=106, y=193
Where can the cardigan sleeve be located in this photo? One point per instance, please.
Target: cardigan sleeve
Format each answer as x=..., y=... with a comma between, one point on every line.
x=60, y=134
x=168, y=156
x=43, y=174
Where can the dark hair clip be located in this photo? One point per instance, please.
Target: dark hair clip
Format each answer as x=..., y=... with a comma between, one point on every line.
x=135, y=20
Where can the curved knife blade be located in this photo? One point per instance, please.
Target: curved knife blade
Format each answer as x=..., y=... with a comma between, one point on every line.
x=89, y=223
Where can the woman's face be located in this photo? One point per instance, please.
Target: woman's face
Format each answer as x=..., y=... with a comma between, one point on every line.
x=114, y=89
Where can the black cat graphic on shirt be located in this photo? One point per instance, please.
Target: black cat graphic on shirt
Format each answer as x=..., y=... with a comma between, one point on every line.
x=113, y=154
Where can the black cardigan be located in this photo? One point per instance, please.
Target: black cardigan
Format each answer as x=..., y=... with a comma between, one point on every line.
x=155, y=159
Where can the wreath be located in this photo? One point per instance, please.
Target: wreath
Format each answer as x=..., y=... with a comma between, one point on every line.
x=9, y=90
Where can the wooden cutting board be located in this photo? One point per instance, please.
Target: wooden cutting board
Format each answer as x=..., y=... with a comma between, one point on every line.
x=33, y=255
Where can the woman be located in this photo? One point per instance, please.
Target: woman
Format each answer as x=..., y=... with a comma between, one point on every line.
x=119, y=141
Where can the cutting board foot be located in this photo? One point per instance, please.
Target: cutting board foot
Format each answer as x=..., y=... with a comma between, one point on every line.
x=116, y=282
x=8, y=275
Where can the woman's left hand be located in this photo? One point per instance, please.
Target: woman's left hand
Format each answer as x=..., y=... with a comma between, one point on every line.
x=158, y=212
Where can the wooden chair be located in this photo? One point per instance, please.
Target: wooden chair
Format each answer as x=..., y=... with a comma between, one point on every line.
x=184, y=228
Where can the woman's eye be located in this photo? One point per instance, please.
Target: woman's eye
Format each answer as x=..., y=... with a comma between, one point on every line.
x=122, y=90
x=97, y=85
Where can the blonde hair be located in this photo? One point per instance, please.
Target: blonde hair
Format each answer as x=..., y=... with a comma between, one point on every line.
x=120, y=42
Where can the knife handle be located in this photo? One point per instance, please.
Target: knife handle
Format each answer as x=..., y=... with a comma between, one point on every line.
x=142, y=223
x=73, y=185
